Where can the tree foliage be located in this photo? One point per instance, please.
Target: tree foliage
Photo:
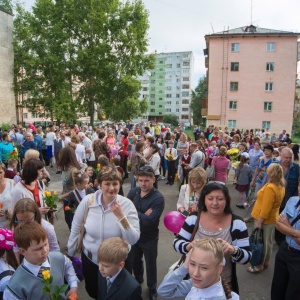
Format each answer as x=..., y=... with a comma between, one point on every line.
x=198, y=95
x=171, y=119
x=6, y=5
x=296, y=125
x=73, y=55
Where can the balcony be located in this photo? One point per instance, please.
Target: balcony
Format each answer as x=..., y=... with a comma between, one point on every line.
x=204, y=103
x=206, y=62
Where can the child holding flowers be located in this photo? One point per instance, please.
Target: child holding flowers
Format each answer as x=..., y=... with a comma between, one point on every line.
x=40, y=271
x=8, y=262
x=81, y=190
x=171, y=157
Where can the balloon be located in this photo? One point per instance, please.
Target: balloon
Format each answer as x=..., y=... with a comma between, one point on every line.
x=173, y=221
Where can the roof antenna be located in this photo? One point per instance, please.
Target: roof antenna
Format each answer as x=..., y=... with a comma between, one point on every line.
x=251, y=12
x=212, y=27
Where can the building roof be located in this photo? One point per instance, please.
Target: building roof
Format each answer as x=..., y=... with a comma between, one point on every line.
x=253, y=30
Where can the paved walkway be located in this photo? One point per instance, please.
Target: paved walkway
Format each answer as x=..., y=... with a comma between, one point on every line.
x=252, y=286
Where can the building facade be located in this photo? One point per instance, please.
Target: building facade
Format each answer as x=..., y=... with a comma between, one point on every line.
x=168, y=86
x=7, y=99
x=251, y=75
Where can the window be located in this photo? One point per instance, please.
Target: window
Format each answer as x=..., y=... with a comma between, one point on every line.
x=185, y=86
x=234, y=66
x=270, y=66
x=25, y=115
x=152, y=81
x=235, y=47
x=267, y=106
x=266, y=125
x=231, y=123
x=145, y=81
x=185, y=109
x=269, y=86
x=177, y=109
x=34, y=115
x=152, y=103
x=160, y=113
x=146, y=89
x=177, y=95
x=185, y=94
x=271, y=46
x=168, y=102
x=159, y=98
x=161, y=69
x=177, y=80
x=185, y=55
x=232, y=104
x=144, y=96
x=152, y=88
x=161, y=61
x=169, y=88
x=184, y=117
x=160, y=91
x=177, y=102
x=168, y=110
x=169, y=80
x=186, y=79
x=159, y=105
x=185, y=101
x=186, y=71
x=234, y=86
x=169, y=65
x=152, y=110
x=152, y=96
x=160, y=84
x=169, y=96
x=153, y=74
x=178, y=65
x=186, y=63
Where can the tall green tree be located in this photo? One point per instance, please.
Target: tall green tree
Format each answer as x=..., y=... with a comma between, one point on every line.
x=85, y=53
x=6, y=5
x=198, y=95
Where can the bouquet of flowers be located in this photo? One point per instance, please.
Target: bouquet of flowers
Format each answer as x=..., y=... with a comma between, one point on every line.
x=13, y=154
x=129, y=166
x=233, y=153
x=50, y=199
x=170, y=156
x=97, y=170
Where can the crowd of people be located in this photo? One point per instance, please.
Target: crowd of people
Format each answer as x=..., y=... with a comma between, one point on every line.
x=115, y=234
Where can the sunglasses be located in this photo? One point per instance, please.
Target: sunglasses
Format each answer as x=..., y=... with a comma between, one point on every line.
x=146, y=169
x=16, y=221
x=216, y=182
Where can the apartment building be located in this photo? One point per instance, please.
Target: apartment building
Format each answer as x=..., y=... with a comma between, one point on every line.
x=251, y=75
x=168, y=86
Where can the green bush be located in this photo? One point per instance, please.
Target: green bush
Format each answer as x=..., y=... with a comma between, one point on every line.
x=5, y=127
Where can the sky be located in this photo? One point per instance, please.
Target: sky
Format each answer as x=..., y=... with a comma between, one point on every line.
x=180, y=25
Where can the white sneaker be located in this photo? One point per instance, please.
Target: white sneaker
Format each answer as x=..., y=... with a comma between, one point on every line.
x=162, y=177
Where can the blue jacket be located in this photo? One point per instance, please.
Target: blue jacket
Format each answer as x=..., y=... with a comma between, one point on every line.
x=5, y=149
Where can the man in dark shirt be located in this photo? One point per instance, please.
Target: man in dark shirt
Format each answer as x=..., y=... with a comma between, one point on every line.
x=149, y=203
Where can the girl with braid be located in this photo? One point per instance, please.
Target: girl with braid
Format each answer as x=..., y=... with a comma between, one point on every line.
x=204, y=263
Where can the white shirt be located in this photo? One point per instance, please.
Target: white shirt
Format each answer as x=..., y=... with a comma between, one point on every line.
x=50, y=138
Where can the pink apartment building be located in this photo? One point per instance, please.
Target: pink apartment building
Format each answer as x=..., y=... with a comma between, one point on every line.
x=251, y=74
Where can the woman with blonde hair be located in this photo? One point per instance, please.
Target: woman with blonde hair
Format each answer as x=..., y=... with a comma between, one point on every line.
x=204, y=263
x=236, y=141
x=190, y=193
x=182, y=145
x=266, y=211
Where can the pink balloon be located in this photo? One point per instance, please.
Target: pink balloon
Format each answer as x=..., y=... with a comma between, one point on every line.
x=173, y=221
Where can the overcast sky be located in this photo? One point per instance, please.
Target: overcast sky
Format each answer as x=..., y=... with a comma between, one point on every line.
x=177, y=25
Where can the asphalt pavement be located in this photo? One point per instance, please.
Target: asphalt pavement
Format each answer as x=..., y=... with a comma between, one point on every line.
x=252, y=286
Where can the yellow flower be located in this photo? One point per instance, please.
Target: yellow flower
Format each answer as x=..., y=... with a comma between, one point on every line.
x=98, y=166
x=47, y=193
x=55, y=193
x=46, y=274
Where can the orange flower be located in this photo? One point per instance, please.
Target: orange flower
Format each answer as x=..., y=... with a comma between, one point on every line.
x=67, y=208
x=1, y=204
x=73, y=297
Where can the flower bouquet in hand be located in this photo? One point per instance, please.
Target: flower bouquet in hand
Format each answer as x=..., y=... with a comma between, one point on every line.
x=234, y=154
x=170, y=157
x=50, y=199
x=13, y=154
x=97, y=170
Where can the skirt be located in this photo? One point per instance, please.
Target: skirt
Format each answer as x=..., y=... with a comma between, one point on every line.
x=242, y=188
x=49, y=152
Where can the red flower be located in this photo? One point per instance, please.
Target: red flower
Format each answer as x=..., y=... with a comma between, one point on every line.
x=67, y=208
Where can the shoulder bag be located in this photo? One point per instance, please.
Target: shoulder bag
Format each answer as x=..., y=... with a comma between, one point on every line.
x=210, y=171
x=256, y=241
x=81, y=234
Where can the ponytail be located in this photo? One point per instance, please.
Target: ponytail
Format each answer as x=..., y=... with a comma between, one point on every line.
x=226, y=288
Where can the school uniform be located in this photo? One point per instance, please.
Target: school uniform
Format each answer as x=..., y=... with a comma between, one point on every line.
x=121, y=286
x=171, y=164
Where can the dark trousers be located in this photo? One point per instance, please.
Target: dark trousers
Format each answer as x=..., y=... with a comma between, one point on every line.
x=147, y=249
x=90, y=272
x=285, y=284
x=171, y=170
